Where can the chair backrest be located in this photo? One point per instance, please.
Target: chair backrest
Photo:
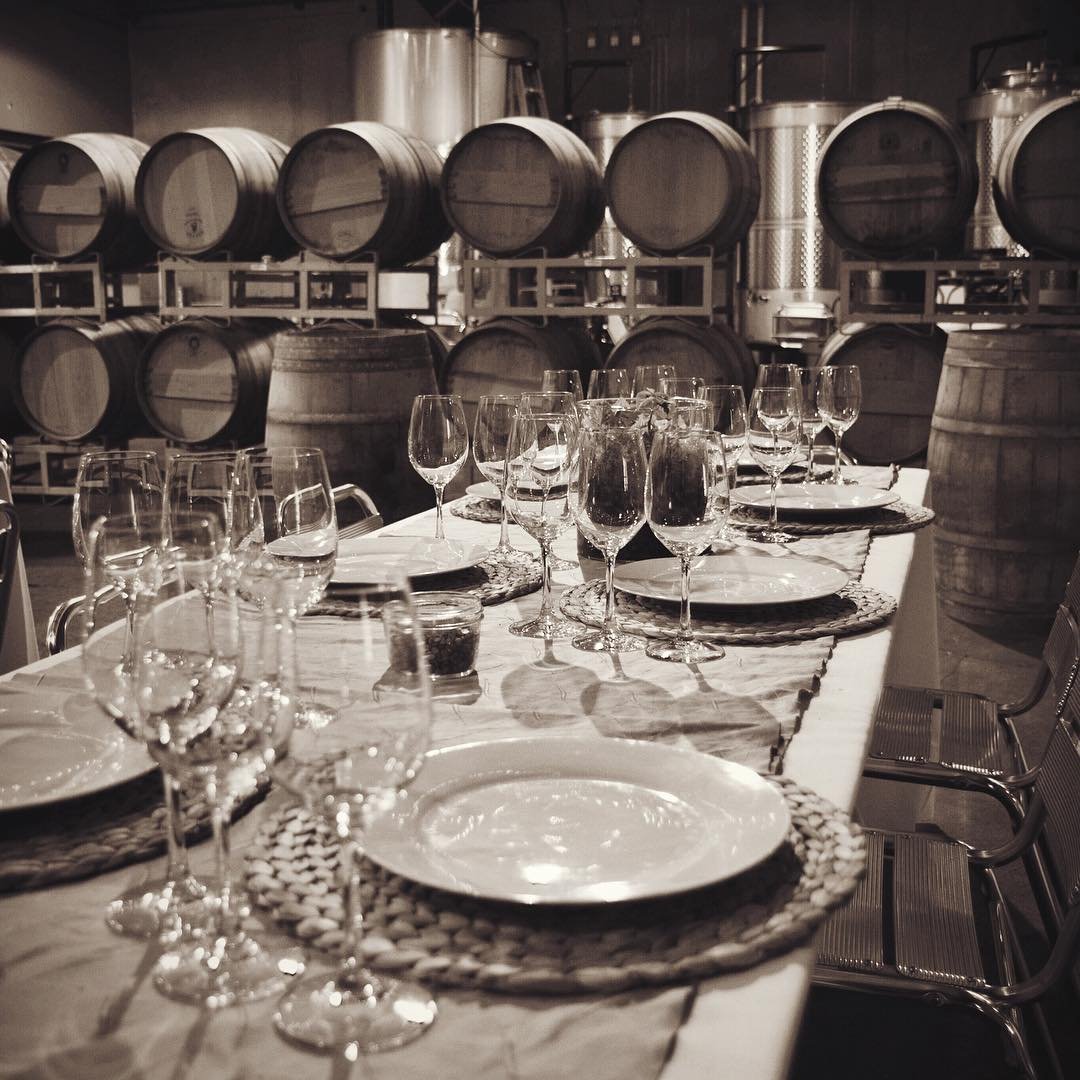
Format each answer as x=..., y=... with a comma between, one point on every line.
x=1058, y=785
x=1072, y=590
x=9, y=554
x=1061, y=654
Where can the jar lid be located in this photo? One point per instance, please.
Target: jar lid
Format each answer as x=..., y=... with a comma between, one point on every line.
x=445, y=608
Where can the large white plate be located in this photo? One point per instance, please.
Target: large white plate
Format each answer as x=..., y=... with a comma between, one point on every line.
x=484, y=490
x=734, y=578
x=812, y=499
x=375, y=559
x=55, y=747
x=565, y=820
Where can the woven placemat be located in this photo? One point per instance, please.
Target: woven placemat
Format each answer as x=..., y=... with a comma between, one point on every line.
x=439, y=937
x=498, y=576
x=81, y=837
x=880, y=521
x=854, y=609
x=486, y=510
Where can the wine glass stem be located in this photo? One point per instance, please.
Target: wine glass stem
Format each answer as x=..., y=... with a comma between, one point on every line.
x=684, y=599
x=810, y=455
x=228, y=924
x=504, y=523
x=545, y=577
x=609, y=601
x=773, y=479
x=127, y=666
x=838, y=432
x=350, y=892
x=439, y=534
x=176, y=865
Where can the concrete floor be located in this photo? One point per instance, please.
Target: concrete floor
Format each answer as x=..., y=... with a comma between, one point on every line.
x=877, y=1033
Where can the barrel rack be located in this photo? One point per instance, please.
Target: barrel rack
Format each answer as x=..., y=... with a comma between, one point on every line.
x=81, y=290
x=1032, y=292
x=593, y=285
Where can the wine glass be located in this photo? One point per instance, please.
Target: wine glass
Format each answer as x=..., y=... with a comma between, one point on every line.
x=540, y=467
x=685, y=514
x=813, y=423
x=202, y=482
x=778, y=375
x=117, y=548
x=839, y=396
x=114, y=482
x=728, y=419
x=681, y=386
x=774, y=433
x=609, y=383
x=647, y=377
x=609, y=506
x=491, y=436
x=566, y=379
x=438, y=444
x=208, y=730
x=350, y=773
x=551, y=401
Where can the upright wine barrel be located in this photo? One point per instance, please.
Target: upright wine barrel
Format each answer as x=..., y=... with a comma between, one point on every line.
x=199, y=382
x=75, y=380
x=521, y=183
x=213, y=189
x=1037, y=182
x=350, y=391
x=1004, y=461
x=75, y=196
x=899, y=370
x=896, y=179
x=357, y=187
x=680, y=180
x=714, y=353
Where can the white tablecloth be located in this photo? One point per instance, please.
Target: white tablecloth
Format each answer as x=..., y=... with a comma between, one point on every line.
x=59, y=960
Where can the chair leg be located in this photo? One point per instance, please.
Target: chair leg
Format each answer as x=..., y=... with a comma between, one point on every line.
x=1011, y=1023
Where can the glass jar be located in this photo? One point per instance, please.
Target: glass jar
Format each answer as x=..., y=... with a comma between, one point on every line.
x=451, y=626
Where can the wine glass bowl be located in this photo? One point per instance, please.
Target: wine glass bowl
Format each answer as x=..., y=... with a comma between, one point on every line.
x=774, y=435
x=839, y=396
x=565, y=379
x=813, y=423
x=438, y=444
x=609, y=383
x=109, y=482
x=491, y=437
x=647, y=378
x=727, y=404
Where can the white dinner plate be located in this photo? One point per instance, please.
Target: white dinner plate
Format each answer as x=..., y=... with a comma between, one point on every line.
x=57, y=746
x=734, y=578
x=812, y=499
x=374, y=559
x=484, y=490
x=564, y=820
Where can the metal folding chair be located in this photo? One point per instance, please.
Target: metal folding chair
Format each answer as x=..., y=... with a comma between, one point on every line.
x=951, y=738
x=929, y=919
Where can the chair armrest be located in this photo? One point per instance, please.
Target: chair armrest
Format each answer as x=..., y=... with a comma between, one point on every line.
x=56, y=630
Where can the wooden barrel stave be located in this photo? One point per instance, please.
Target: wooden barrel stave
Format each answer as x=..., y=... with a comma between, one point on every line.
x=899, y=369
x=349, y=391
x=714, y=353
x=681, y=180
x=73, y=197
x=74, y=380
x=209, y=190
x=1004, y=457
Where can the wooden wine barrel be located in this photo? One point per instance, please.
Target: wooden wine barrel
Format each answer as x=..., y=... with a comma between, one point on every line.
x=899, y=370
x=12, y=249
x=894, y=179
x=75, y=196
x=1004, y=461
x=199, y=382
x=680, y=180
x=75, y=380
x=522, y=183
x=350, y=391
x=714, y=353
x=359, y=187
x=1037, y=181
x=213, y=189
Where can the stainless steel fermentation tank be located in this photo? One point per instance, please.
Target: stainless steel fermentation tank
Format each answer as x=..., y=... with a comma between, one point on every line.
x=988, y=117
x=422, y=80
x=791, y=264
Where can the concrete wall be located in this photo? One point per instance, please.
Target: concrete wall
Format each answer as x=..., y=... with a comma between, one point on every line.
x=62, y=72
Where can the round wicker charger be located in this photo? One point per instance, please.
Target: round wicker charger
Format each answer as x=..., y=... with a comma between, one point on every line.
x=854, y=609
x=498, y=576
x=486, y=510
x=80, y=837
x=452, y=940
x=881, y=521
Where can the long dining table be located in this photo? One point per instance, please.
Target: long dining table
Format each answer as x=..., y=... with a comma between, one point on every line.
x=76, y=1001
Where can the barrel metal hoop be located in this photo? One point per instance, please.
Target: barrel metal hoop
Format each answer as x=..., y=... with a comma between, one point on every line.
x=324, y=418
x=1027, y=545
x=1005, y=431
x=349, y=365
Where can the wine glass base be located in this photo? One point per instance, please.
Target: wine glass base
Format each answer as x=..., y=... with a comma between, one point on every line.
x=555, y=563
x=682, y=651
x=220, y=973
x=546, y=626
x=608, y=641
x=764, y=535
x=373, y=1014
x=161, y=908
